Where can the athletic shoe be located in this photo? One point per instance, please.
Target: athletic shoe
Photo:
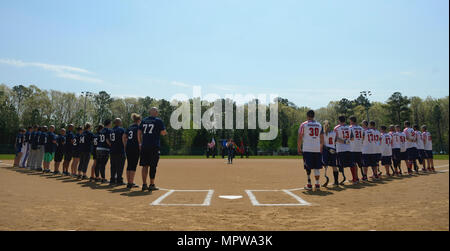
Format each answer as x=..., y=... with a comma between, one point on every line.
x=79, y=177
x=144, y=187
x=308, y=187
x=91, y=179
x=120, y=183
x=112, y=183
x=98, y=180
x=152, y=187
x=335, y=184
x=129, y=186
x=56, y=173
x=104, y=181
x=317, y=186
x=134, y=185
x=84, y=177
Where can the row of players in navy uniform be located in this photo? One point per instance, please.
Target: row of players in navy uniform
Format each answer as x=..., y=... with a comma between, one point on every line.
x=139, y=144
x=362, y=146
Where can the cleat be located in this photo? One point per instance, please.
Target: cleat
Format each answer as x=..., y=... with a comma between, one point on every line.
x=152, y=187
x=144, y=187
x=317, y=186
x=308, y=187
x=91, y=179
x=104, y=181
x=84, y=177
x=129, y=186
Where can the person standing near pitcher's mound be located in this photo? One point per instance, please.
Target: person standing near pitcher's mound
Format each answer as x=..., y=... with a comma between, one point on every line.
x=149, y=133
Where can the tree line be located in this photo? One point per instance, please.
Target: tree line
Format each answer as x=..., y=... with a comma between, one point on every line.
x=21, y=106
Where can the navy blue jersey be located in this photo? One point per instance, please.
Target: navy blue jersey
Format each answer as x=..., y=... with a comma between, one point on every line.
x=116, y=140
x=19, y=140
x=95, y=141
x=34, y=140
x=102, y=136
x=132, y=142
x=69, y=145
x=50, y=145
x=26, y=137
x=60, y=141
x=76, y=143
x=86, y=142
x=42, y=137
x=151, y=128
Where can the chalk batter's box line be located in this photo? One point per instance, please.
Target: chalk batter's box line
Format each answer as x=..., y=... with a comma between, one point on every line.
x=206, y=202
x=289, y=192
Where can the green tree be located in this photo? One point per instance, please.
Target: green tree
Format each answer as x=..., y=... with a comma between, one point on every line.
x=397, y=106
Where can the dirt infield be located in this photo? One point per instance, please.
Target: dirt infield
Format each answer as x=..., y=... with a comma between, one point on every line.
x=270, y=200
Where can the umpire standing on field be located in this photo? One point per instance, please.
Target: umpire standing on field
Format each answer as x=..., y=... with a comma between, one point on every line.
x=149, y=133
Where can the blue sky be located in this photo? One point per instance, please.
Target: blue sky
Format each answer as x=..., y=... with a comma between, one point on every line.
x=310, y=52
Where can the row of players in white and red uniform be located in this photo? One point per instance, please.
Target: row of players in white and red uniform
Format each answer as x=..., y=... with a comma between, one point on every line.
x=355, y=146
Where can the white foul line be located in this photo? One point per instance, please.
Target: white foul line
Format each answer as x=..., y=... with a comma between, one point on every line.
x=255, y=202
x=206, y=202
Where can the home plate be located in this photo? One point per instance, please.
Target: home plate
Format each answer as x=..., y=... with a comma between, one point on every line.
x=231, y=197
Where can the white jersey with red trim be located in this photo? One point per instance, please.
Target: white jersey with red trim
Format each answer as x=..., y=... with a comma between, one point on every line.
x=410, y=138
x=426, y=136
x=311, y=131
x=386, y=144
x=396, y=143
x=419, y=142
x=371, y=141
x=402, y=141
x=356, y=142
x=342, y=133
x=330, y=140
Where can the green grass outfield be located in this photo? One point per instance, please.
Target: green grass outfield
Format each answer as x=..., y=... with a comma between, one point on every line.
x=11, y=156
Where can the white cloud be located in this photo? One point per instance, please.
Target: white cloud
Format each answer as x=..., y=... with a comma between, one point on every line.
x=62, y=71
x=181, y=84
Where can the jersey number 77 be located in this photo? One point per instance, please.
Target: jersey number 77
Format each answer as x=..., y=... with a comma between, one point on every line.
x=148, y=128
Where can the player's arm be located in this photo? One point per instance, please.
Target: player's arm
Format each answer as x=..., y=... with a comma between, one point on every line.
x=322, y=140
x=139, y=138
x=108, y=140
x=163, y=129
x=124, y=140
x=299, y=140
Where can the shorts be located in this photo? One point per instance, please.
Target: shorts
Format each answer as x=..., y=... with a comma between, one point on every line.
x=75, y=154
x=48, y=157
x=428, y=154
x=412, y=153
x=403, y=156
x=59, y=156
x=149, y=156
x=396, y=154
x=357, y=158
x=94, y=154
x=132, y=159
x=421, y=154
x=344, y=159
x=386, y=160
x=67, y=156
x=328, y=158
x=370, y=160
x=312, y=160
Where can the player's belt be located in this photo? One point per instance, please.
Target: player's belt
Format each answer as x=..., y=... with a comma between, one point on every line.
x=102, y=149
